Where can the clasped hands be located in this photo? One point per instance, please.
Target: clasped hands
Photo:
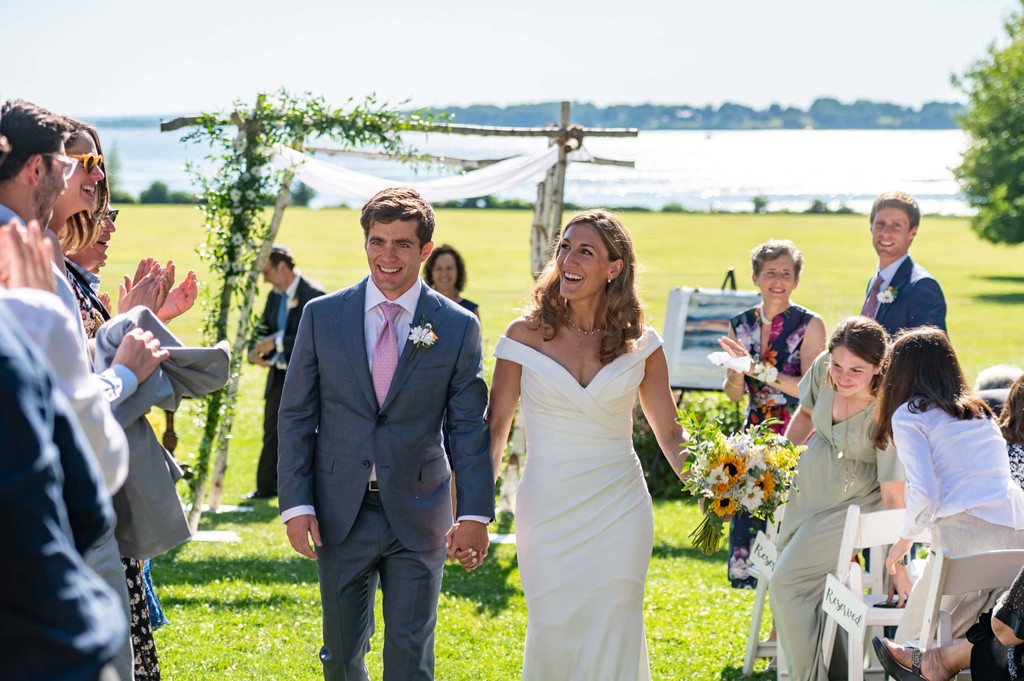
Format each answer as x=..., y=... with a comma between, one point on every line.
x=466, y=542
x=261, y=349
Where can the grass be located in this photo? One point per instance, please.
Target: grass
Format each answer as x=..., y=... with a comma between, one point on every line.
x=251, y=610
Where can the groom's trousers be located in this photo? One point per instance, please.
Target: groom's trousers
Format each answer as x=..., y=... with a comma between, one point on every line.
x=410, y=582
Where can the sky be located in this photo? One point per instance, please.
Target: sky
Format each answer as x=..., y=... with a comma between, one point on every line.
x=133, y=57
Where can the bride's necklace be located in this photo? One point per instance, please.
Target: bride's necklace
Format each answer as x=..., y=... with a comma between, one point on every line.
x=573, y=326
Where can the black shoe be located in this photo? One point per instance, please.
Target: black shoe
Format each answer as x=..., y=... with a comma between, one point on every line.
x=259, y=495
x=893, y=668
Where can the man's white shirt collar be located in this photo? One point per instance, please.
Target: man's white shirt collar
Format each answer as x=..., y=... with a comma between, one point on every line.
x=408, y=300
x=293, y=288
x=889, y=271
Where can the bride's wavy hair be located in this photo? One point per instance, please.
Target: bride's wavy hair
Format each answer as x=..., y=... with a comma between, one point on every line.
x=621, y=314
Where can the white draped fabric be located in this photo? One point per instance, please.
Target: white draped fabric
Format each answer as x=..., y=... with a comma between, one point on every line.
x=329, y=178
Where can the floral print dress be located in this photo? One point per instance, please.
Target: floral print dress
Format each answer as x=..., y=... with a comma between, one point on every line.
x=783, y=356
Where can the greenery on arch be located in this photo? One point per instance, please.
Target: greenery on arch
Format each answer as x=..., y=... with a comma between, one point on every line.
x=233, y=199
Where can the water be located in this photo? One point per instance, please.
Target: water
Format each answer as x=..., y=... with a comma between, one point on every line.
x=721, y=170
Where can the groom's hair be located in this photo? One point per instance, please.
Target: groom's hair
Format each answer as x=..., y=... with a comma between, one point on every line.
x=399, y=203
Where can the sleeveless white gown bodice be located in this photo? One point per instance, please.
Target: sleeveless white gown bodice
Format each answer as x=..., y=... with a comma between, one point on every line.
x=584, y=527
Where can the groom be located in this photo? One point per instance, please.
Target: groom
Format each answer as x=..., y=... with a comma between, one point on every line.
x=362, y=468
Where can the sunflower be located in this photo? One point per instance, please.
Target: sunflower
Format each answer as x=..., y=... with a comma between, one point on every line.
x=733, y=466
x=724, y=506
x=721, y=488
x=766, y=483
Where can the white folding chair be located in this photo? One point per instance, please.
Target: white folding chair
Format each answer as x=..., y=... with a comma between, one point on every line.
x=851, y=592
x=962, y=575
x=756, y=648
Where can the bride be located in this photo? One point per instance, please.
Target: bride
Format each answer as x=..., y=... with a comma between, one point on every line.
x=577, y=359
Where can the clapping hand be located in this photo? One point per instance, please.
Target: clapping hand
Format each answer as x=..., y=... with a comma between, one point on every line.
x=25, y=257
x=180, y=298
x=148, y=287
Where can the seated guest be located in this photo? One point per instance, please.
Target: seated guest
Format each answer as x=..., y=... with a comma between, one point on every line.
x=992, y=649
x=1011, y=423
x=840, y=467
x=958, y=475
x=993, y=384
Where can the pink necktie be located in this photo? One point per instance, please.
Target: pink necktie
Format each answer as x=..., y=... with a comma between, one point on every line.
x=385, y=352
x=870, y=308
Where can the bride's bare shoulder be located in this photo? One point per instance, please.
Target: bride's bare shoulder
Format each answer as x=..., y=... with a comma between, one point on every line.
x=522, y=330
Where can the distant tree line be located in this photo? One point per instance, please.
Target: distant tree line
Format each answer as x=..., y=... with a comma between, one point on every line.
x=825, y=113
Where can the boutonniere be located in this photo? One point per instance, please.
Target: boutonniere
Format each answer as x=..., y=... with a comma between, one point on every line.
x=294, y=302
x=422, y=336
x=887, y=296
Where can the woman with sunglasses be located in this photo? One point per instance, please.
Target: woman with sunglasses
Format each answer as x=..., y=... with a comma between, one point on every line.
x=78, y=220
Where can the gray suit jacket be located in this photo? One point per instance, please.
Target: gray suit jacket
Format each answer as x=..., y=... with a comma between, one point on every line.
x=150, y=519
x=331, y=430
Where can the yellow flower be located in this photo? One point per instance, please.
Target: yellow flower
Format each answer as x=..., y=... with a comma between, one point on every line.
x=733, y=466
x=766, y=483
x=724, y=506
x=721, y=488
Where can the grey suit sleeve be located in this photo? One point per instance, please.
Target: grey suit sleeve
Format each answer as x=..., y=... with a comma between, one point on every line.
x=929, y=304
x=298, y=419
x=470, y=438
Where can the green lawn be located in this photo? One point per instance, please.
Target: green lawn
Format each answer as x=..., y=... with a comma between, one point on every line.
x=251, y=610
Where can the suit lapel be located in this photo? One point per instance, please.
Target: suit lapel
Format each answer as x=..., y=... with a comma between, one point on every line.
x=354, y=339
x=899, y=280
x=426, y=307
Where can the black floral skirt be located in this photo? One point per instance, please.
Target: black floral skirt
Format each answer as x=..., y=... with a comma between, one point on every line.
x=143, y=646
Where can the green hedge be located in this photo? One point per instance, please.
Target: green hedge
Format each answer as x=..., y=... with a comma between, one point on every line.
x=661, y=481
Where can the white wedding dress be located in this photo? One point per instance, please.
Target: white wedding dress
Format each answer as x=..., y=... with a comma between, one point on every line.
x=584, y=527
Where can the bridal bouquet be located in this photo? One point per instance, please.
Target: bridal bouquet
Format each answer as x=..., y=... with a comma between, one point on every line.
x=751, y=470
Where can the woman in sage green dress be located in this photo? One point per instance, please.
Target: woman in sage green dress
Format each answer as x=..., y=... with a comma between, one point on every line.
x=839, y=467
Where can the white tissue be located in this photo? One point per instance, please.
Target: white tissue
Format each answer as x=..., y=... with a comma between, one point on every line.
x=724, y=359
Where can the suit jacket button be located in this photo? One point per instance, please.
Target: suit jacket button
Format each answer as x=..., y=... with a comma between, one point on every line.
x=381, y=419
x=366, y=464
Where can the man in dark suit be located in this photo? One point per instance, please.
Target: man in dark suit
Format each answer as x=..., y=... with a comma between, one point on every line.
x=276, y=332
x=378, y=368
x=902, y=294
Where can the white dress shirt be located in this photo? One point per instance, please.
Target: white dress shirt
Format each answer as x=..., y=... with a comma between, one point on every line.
x=887, y=273
x=289, y=295
x=52, y=330
x=954, y=466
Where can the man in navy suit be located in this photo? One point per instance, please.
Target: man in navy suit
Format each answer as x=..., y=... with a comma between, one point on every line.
x=902, y=294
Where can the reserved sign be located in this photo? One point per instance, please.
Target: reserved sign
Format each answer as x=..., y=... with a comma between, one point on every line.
x=845, y=607
x=764, y=554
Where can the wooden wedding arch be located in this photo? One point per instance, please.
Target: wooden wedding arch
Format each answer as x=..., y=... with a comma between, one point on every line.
x=242, y=242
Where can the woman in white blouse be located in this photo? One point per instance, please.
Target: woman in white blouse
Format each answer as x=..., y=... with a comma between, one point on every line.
x=958, y=474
